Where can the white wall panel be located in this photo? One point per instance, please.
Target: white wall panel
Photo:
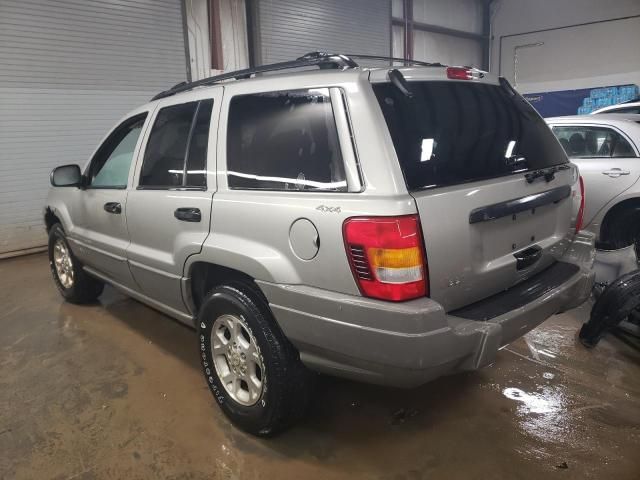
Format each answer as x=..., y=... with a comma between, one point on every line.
x=572, y=55
x=69, y=69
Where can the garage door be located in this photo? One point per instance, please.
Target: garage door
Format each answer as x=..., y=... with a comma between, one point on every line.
x=68, y=70
x=288, y=29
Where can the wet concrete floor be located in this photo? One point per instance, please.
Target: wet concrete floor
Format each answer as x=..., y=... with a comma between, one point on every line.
x=115, y=391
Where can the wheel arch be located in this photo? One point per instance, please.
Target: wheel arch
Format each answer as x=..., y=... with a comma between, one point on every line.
x=204, y=276
x=50, y=219
x=624, y=206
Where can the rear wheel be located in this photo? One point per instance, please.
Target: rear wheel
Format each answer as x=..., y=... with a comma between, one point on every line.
x=253, y=371
x=72, y=281
x=623, y=229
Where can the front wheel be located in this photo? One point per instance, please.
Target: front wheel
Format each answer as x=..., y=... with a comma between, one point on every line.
x=253, y=371
x=72, y=281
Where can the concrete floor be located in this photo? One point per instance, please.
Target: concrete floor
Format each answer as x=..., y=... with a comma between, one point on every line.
x=115, y=391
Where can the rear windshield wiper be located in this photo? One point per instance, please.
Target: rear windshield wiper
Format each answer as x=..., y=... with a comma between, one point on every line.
x=398, y=81
x=548, y=173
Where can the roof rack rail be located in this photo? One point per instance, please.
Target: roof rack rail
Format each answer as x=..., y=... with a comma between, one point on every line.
x=406, y=61
x=314, y=59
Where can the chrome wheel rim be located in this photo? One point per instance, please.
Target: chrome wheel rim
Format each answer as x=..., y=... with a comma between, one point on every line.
x=63, y=263
x=237, y=359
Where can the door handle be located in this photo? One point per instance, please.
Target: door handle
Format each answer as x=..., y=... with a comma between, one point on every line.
x=188, y=214
x=616, y=172
x=113, y=207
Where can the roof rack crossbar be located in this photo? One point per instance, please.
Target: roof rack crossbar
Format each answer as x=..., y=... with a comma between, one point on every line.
x=313, y=59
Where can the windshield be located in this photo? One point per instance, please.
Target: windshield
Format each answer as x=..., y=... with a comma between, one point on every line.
x=457, y=132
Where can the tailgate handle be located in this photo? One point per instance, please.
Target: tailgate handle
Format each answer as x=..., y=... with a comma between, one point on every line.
x=517, y=205
x=527, y=257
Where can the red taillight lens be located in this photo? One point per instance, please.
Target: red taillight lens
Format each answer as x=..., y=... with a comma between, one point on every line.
x=580, y=217
x=387, y=257
x=459, y=73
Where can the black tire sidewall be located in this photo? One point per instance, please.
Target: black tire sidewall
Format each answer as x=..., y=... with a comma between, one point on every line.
x=625, y=229
x=228, y=300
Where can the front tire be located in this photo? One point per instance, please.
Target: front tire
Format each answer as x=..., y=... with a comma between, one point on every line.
x=75, y=285
x=252, y=370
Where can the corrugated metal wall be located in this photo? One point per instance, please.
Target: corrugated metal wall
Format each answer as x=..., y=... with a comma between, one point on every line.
x=68, y=70
x=290, y=28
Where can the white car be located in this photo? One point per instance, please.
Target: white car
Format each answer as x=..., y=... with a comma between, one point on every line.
x=632, y=106
x=606, y=148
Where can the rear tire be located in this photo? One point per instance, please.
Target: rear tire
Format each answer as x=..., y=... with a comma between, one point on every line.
x=624, y=229
x=258, y=380
x=74, y=284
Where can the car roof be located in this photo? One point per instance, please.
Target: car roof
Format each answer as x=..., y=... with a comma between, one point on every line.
x=620, y=119
x=629, y=103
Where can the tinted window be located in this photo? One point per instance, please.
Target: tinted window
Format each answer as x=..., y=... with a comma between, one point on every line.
x=457, y=132
x=178, y=139
x=584, y=141
x=111, y=164
x=284, y=141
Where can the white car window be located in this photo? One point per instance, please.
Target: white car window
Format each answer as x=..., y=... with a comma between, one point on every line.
x=581, y=141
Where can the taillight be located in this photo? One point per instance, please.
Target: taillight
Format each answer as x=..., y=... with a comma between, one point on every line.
x=386, y=256
x=580, y=217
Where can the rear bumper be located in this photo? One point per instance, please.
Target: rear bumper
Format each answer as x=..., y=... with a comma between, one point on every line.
x=407, y=344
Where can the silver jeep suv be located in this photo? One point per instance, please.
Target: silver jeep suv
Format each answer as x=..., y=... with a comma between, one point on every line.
x=389, y=225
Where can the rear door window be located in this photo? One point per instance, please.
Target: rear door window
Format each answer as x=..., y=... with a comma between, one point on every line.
x=582, y=141
x=285, y=140
x=449, y=133
x=176, y=153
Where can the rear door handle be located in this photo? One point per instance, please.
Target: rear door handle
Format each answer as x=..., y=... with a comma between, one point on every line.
x=113, y=207
x=616, y=172
x=188, y=214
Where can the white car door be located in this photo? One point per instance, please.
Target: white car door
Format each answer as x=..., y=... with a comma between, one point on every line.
x=607, y=159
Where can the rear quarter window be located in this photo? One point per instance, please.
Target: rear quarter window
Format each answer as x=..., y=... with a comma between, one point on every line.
x=457, y=132
x=285, y=140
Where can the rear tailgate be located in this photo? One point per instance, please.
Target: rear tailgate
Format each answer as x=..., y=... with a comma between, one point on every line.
x=465, y=149
x=471, y=260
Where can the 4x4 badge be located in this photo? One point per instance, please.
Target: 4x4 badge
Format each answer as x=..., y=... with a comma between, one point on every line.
x=325, y=209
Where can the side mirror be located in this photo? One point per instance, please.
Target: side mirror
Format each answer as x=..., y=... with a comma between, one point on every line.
x=66, y=176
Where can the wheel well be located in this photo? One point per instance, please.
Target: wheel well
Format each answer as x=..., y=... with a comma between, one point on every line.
x=607, y=232
x=207, y=276
x=50, y=219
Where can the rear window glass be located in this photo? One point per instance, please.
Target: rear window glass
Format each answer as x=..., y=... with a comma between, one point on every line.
x=284, y=140
x=457, y=132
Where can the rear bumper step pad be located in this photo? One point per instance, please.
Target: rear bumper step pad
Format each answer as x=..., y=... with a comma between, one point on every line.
x=519, y=295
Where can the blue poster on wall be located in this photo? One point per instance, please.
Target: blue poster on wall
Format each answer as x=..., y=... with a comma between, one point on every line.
x=580, y=102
